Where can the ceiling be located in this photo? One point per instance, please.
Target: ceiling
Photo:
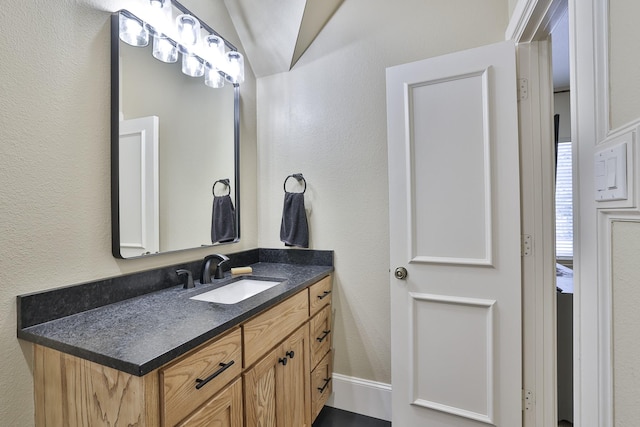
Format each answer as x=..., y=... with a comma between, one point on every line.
x=276, y=33
x=560, y=53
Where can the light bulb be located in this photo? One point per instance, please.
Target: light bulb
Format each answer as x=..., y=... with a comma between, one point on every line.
x=192, y=65
x=235, y=67
x=188, y=32
x=133, y=31
x=160, y=17
x=163, y=49
x=213, y=78
x=214, y=46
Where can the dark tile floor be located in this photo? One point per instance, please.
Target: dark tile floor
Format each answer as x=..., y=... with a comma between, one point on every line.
x=332, y=417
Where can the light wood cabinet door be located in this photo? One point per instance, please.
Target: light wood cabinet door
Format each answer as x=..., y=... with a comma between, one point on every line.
x=294, y=377
x=277, y=387
x=224, y=410
x=261, y=392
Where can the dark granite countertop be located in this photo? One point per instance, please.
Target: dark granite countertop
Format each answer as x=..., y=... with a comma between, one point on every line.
x=140, y=334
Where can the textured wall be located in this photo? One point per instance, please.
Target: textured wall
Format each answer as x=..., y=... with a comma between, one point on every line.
x=624, y=77
x=626, y=318
x=327, y=119
x=55, y=223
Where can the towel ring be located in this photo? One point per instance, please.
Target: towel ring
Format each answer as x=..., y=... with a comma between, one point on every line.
x=221, y=181
x=297, y=176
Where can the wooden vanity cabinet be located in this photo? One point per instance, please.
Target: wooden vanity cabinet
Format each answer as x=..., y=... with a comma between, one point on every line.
x=272, y=371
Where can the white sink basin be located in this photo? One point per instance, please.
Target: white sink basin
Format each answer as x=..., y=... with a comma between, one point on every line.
x=237, y=291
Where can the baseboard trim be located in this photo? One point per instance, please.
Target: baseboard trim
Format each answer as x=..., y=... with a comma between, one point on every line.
x=365, y=397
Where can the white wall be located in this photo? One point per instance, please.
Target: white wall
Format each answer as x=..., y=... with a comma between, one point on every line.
x=626, y=317
x=561, y=105
x=327, y=119
x=55, y=222
x=624, y=78
x=512, y=5
x=624, y=85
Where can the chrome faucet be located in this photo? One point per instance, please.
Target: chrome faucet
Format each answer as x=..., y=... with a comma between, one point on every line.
x=205, y=277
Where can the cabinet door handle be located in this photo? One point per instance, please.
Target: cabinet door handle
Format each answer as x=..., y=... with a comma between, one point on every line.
x=290, y=354
x=326, y=383
x=283, y=360
x=224, y=366
x=325, y=333
x=324, y=294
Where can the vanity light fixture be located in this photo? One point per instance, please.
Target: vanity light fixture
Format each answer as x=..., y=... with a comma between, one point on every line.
x=183, y=36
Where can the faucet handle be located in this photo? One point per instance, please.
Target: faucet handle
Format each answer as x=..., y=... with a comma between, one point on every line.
x=188, y=283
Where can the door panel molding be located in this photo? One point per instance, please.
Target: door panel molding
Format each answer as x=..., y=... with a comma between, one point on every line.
x=435, y=138
x=475, y=318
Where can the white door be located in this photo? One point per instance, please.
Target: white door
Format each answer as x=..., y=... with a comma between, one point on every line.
x=138, y=190
x=455, y=227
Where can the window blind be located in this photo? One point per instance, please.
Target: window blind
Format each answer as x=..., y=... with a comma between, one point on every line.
x=564, y=202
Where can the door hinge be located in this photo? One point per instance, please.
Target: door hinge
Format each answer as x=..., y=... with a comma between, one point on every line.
x=523, y=89
x=528, y=400
x=526, y=245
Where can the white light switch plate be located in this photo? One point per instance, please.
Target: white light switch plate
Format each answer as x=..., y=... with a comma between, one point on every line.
x=611, y=173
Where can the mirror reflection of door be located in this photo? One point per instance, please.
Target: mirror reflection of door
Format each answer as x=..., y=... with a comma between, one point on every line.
x=139, y=205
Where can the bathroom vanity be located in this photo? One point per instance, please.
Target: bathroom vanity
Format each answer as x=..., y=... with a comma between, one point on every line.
x=164, y=359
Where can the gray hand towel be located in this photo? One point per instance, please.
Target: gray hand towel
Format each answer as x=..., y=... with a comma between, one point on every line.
x=223, y=220
x=294, y=230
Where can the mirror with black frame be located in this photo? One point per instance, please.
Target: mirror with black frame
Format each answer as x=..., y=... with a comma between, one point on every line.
x=174, y=149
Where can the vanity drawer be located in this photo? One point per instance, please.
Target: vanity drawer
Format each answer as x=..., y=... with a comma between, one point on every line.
x=225, y=409
x=320, y=334
x=320, y=294
x=266, y=330
x=321, y=384
x=192, y=380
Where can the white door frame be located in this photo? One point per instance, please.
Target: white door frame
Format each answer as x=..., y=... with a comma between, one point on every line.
x=531, y=20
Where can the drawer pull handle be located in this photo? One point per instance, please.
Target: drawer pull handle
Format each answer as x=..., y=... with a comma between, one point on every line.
x=224, y=366
x=320, y=339
x=290, y=354
x=283, y=360
x=326, y=383
x=324, y=294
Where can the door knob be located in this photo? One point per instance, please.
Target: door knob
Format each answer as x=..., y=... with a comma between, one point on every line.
x=401, y=273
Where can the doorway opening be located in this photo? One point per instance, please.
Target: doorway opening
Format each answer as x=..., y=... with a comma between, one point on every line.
x=563, y=218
